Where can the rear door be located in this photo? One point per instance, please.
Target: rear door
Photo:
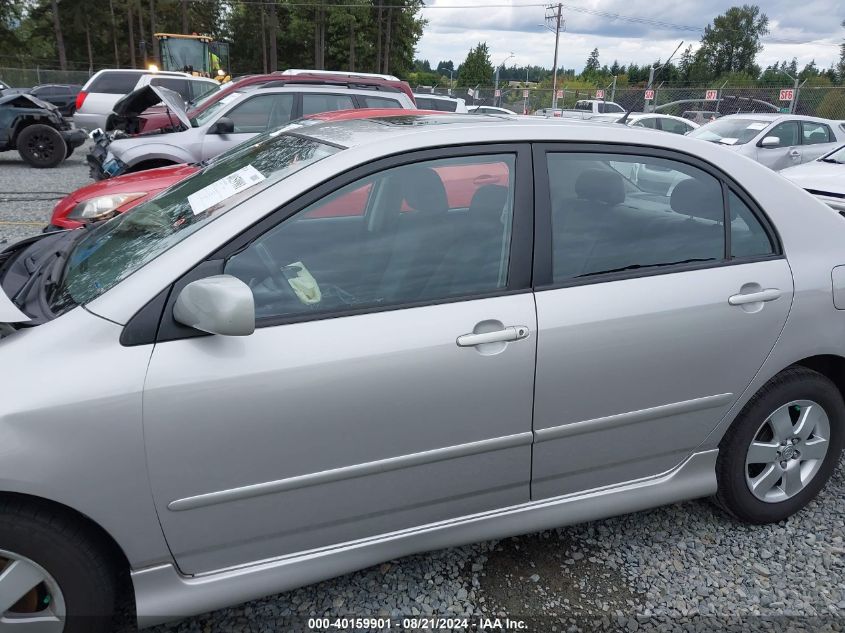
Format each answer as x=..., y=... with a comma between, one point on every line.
x=638, y=298
x=817, y=140
x=389, y=383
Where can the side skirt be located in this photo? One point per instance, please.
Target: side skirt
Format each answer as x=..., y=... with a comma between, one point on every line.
x=163, y=594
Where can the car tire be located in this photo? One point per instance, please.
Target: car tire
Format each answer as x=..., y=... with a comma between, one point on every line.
x=62, y=549
x=41, y=145
x=768, y=482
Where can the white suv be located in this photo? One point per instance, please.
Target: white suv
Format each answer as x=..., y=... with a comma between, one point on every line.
x=99, y=94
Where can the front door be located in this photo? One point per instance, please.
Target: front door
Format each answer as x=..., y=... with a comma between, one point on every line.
x=389, y=382
x=250, y=117
x=788, y=150
x=640, y=316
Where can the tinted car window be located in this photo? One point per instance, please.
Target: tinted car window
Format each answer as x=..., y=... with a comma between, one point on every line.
x=116, y=83
x=411, y=246
x=381, y=102
x=673, y=126
x=613, y=212
x=650, y=123
x=316, y=103
x=442, y=105
x=175, y=84
x=730, y=131
x=748, y=237
x=786, y=133
x=200, y=89
x=812, y=133
x=254, y=115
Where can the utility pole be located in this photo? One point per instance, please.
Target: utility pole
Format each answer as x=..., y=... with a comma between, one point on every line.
x=554, y=23
x=498, y=68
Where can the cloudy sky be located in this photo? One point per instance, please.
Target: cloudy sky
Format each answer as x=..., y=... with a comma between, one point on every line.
x=644, y=30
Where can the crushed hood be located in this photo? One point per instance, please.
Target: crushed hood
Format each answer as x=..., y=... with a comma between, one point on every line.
x=139, y=100
x=24, y=100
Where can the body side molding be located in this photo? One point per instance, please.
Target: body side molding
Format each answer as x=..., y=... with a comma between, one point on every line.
x=163, y=594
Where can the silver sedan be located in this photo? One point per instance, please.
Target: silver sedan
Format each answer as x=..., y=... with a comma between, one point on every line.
x=353, y=340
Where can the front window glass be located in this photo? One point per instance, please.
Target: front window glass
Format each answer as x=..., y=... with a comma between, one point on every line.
x=416, y=233
x=115, y=249
x=786, y=133
x=730, y=131
x=206, y=115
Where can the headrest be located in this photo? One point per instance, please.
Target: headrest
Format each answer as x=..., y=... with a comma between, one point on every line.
x=423, y=190
x=490, y=199
x=697, y=199
x=598, y=185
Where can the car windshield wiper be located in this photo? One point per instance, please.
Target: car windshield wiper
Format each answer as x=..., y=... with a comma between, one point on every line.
x=831, y=160
x=638, y=266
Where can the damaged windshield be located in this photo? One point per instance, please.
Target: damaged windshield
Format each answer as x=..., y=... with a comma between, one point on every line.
x=117, y=248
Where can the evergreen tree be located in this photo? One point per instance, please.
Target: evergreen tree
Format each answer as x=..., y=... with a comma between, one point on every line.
x=476, y=69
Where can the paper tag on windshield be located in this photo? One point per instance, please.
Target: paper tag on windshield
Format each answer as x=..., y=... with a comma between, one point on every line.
x=224, y=188
x=757, y=126
x=728, y=141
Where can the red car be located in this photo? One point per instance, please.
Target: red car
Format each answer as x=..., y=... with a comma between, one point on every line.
x=157, y=118
x=105, y=198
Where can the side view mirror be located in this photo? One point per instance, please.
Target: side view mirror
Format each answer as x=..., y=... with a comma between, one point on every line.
x=224, y=125
x=220, y=304
x=770, y=141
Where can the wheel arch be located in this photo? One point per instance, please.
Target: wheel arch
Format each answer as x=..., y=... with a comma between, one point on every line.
x=92, y=529
x=829, y=365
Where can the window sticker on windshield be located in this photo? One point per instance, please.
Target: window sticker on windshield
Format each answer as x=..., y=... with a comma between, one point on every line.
x=757, y=126
x=224, y=188
x=728, y=140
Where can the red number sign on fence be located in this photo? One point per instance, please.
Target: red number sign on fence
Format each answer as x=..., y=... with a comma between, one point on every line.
x=787, y=94
x=525, y=94
x=560, y=94
x=649, y=95
x=599, y=94
x=711, y=95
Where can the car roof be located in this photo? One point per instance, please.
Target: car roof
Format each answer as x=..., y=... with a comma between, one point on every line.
x=774, y=116
x=452, y=127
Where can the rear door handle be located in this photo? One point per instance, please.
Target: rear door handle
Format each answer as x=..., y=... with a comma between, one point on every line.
x=512, y=333
x=769, y=294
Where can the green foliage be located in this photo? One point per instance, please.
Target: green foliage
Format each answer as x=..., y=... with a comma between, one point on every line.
x=731, y=44
x=476, y=69
x=832, y=105
x=591, y=68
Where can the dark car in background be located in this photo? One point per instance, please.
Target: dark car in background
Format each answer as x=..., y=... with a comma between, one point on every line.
x=63, y=96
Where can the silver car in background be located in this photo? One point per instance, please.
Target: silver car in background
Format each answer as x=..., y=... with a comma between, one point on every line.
x=777, y=141
x=98, y=96
x=353, y=340
x=823, y=177
x=235, y=118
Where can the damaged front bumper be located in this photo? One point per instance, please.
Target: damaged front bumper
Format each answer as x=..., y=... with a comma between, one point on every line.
x=101, y=164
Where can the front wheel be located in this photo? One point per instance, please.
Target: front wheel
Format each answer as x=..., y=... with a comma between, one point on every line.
x=782, y=448
x=41, y=145
x=53, y=577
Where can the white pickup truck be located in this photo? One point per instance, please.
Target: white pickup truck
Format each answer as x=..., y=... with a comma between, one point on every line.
x=584, y=108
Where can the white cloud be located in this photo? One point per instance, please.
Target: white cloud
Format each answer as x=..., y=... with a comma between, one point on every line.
x=450, y=33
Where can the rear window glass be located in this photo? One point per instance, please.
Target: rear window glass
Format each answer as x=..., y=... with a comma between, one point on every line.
x=430, y=103
x=381, y=102
x=114, y=83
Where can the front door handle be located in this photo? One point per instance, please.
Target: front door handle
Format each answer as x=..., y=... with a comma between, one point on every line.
x=512, y=333
x=769, y=294
x=795, y=153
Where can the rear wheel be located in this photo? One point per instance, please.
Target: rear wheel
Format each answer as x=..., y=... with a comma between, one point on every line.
x=41, y=145
x=53, y=577
x=782, y=448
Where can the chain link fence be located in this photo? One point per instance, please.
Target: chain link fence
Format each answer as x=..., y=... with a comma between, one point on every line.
x=702, y=102
x=28, y=77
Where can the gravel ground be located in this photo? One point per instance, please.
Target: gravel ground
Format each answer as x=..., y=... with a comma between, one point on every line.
x=684, y=567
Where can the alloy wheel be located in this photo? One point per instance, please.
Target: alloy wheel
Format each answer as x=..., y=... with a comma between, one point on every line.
x=30, y=599
x=41, y=146
x=787, y=451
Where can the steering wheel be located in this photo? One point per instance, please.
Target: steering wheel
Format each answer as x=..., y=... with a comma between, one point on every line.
x=275, y=272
